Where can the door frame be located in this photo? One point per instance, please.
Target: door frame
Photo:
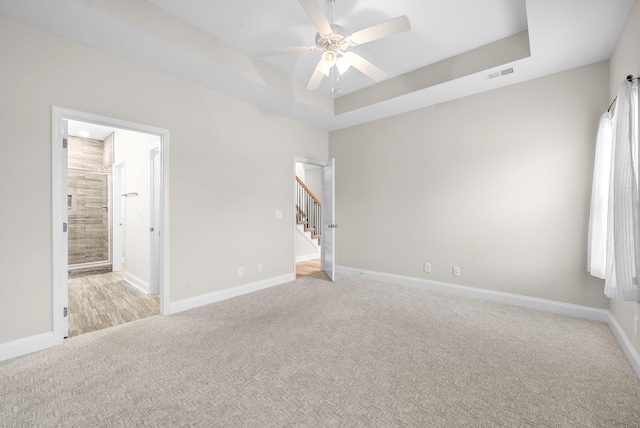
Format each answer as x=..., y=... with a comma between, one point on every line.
x=155, y=249
x=322, y=247
x=59, y=116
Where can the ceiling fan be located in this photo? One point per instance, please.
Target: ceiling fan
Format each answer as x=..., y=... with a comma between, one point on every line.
x=333, y=41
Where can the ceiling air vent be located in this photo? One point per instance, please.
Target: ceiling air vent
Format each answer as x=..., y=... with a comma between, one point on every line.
x=500, y=73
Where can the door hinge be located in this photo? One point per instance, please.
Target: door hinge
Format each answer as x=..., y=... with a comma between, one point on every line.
x=64, y=312
x=64, y=227
x=64, y=143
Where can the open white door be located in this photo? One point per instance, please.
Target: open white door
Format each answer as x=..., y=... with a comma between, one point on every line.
x=154, y=223
x=328, y=219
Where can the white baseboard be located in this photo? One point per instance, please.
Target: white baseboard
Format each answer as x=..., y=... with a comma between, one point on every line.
x=216, y=296
x=25, y=346
x=625, y=344
x=312, y=256
x=136, y=282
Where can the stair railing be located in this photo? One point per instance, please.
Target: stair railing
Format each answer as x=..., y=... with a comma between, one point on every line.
x=309, y=209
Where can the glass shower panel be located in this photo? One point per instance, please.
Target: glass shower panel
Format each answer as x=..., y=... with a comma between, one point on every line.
x=88, y=204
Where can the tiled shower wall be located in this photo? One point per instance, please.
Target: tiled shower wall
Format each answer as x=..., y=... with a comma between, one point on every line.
x=89, y=163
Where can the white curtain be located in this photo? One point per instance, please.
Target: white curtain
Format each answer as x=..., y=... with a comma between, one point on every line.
x=616, y=232
x=597, y=250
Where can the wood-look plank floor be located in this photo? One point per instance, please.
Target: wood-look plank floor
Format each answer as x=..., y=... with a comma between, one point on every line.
x=308, y=268
x=105, y=300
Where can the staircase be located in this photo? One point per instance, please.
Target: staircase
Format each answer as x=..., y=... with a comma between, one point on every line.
x=303, y=225
x=308, y=211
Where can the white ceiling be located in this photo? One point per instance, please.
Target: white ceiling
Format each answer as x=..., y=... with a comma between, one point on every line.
x=213, y=44
x=440, y=29
x=94, y=131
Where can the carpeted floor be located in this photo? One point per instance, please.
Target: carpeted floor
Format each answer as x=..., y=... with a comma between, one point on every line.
x=314, y=353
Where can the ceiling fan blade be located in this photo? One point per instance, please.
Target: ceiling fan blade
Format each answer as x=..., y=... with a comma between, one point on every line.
x=384, y=29
x=364, y=66
x=284, y=51
x=316, y=14
x=316, y=77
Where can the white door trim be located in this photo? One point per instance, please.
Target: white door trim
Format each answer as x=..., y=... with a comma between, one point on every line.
x=59, y=183
x=155, y=251
x=60, y=218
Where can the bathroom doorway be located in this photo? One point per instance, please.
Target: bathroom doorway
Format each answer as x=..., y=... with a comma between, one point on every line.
x=110, y=193
x=109, y=179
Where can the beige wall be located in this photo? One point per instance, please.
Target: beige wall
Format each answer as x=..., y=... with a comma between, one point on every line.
x=624, y=61
x=311, y=177
x=313, y=180
x=497, y=183
x=221, y=217
x=304, y=247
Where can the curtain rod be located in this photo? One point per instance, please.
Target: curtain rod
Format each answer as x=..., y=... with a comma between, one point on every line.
x=629, y=79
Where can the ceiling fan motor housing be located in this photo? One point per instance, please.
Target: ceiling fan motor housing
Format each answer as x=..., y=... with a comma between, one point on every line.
x=336, y=42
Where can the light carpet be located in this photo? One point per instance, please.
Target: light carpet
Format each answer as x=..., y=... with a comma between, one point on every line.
x=314, y=353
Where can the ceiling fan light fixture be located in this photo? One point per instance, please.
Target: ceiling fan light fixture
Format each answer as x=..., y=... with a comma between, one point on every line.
x=328, y=60
x=342, y=64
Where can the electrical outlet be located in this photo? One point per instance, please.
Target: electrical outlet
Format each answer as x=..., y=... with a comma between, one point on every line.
x=240, y=271
x=635, y=325
x=427, y=267
x=278, y=213
x=259, y=267
x=456, y=271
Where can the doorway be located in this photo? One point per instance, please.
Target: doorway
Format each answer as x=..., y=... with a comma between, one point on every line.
x=314, y=219
x=136, y=220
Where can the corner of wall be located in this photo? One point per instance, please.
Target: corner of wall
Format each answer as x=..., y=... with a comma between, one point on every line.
x=625, y=60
